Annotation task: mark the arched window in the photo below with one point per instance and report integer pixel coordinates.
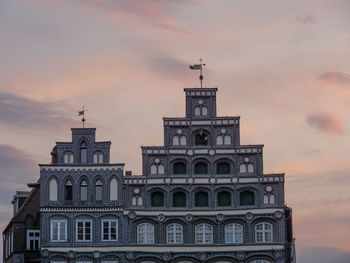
(179, 199)
(176, 140)
(157, 169)
(98, 190)
(201, 138)
(174, 234)
(98, 157)
(246, 198)
(140, 200)
(204, 234)
(197, 111)
(201, 168)
(113, 190)
(134, 200)
(250, 168)
(246, 168)
(157, 199)
(83, 152)
(201, 199)
(219, 140)
(53, 190)
(145, 233)
(224, 198)
(269, 199)
(227, 139)
(68, 158)
(183, 140)
(204, 111)
(68, 193)
(263, 232)
(233, 233)
(223, 168)
(83, 190)
(242, 168)
(179, 168)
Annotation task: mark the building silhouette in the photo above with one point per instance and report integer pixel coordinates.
(202, 197)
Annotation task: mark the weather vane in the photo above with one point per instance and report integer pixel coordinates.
(82, 113)
(199, 66)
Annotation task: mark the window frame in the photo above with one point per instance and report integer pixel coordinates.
(203, 234)
(59, 222)
(234, 232)
(84, 221)
(34, 238)
(175, 232)
(264, 233)
(110, 221)
(148, 237)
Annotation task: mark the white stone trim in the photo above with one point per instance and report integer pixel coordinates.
(82, 167)
(82, 209)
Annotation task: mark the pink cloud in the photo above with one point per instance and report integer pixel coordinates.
(326, 122)
(341, 78)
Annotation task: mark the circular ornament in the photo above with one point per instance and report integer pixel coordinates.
(240, 255)
(211, 152)
(166, 256)
(96, 254)
(278, 254)
(70, 254)
(157, 161)
(161, 217)
(249, 216)
(212, 180)
(223, 130)
(202, 256)
(130, 255)
(132, 215)
(189, 217)
(179, 131)
(45, 253)
(246, 159)
(278, 215)
(136, 190)
(167, 180)
(200, 101)
(190, 180)
(220, 217)
(234, 180)
(190, 152)
(268, 188)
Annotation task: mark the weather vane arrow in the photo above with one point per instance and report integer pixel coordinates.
(82, 113)
(199, 67)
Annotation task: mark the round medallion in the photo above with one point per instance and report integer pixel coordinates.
(278, 215)
(220, 217)
(45, 253)
(240, 255)
(234, 180)
(190, 180)
(202, 256)
(70, 254)
(212, 180)
(189, 217)
(190, 152)
(132, 215)
(211, 152)
(179, 131)
(278, 254)
(167, 180)
(200, 101)
(130, 255)
(161, 217)
(136, 191)
(96, 254)
(246, 159)
(157, 160)
(223, 130)
(268, 188)
(249, 216)
(166, 256)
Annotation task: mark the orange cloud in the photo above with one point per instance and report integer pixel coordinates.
(341, 78)
(326, 122)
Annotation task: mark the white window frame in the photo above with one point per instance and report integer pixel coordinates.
(261, 235)
(174, 233)
(157, 168)
(110, 221)
(205, 235)
(34, 238)
(237, 234)
(59, 222)
(84, 221)
(147, 235)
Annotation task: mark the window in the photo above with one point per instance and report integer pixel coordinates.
(83, 152)
(246, 198)
(113, 190)
(246, 168)
(263, 232)
(157, 199)
(83, 190)
(201, 138)
(68, 190)
(53, 190)
(224, 198)
(68, 158)
(179, 140)
(109, 230)
(179, 168)
(98, 190)
(219, 140)
(227, 139)
(242, 168)
(98, 157)
(140, 200)
(183, 140)
(176, 140)
(269, 199)
(250, 168)
(83, 230)
(200, 110)
(33, 239)
(145, 233)
(204, 234)
(201, 199)
(157, 169)
(197, 111)
(223, 168)
(179, 199)
(58, 230)
(233, 233)
(174, 234)
(204, 111)
(133, 200)
(223, 139)
(201, 168)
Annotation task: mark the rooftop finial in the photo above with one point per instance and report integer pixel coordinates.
(82, 112)
(199, 66)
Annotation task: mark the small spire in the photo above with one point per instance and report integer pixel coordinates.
(82, 113)
(200, 67)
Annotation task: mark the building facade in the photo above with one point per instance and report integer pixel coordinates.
(202, 197)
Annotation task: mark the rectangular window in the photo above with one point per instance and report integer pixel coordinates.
(83, 230)
(109, 230)
(33, 239)
(58, 230)
(83, 155)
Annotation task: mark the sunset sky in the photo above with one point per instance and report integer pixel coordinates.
(283, 66)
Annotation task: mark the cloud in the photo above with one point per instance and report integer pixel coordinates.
(23, 112)
(326, 122)
(341, 78)
(306, 19)
(323, 255)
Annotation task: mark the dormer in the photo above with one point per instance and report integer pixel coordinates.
(201, 103)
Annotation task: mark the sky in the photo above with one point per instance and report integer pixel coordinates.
(283, 66)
